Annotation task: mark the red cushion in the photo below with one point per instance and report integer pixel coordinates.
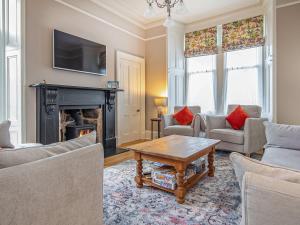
(184, 116)
(237, 118)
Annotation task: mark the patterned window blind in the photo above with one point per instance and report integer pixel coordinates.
(243, 34)
(199, 43)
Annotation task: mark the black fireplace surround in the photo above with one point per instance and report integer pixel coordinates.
(51, 98)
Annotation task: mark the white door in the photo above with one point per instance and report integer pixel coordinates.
(131, 102)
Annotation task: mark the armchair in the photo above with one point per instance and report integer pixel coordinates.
(248, 140)
(170, 125)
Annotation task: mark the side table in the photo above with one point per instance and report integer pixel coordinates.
(153, 120)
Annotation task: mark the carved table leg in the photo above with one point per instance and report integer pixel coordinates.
(139, 171)
(211, 167)
(181, 190)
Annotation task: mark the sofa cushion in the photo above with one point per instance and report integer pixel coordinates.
(80, 142)
(282, 157)
(244, 164)
(228, 135)
(282, 136)
(13, 157)
(253, 111)
(5, 135)
(184, 116)
(179, 130)
(193, 109)
(237, 118)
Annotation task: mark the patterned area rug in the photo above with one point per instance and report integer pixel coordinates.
(213, 201)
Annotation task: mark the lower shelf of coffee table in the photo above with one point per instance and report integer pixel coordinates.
(187, 184)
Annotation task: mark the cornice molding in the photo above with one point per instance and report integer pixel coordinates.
(154, 24)
(188, 27)
(107, 22)
(287, 4)
(114, 11)
(223, 18)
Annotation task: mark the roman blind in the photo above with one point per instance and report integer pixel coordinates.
(241, 34)
(199, 43)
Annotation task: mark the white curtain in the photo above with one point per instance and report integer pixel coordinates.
(201, 81)
(243, 77)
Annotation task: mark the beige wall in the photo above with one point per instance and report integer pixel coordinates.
(156, 79)
(288, 64)
(42, 16)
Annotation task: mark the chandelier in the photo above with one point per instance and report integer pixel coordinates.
(179, 6)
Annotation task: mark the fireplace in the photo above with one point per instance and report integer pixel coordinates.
(75, 131)
(66, 112)
(74, 123)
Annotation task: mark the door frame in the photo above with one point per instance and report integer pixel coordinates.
(141, 60)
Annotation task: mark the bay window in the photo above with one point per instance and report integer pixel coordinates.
(224, 65)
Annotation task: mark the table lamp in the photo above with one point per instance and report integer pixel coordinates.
(160, 103)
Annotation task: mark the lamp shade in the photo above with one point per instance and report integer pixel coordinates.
(161, 102)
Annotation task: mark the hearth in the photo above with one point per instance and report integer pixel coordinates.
(65, 112)
(74, 131)
(74, 123)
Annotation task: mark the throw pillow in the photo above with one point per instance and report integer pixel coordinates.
(184, 116)
(5, 135)
(282, 136)
(237, 118)
(13, 157)
(244, 164)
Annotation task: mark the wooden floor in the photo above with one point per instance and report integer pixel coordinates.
(113, 160)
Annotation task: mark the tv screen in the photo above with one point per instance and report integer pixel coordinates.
(78, 54)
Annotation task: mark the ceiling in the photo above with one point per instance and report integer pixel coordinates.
(133, 10)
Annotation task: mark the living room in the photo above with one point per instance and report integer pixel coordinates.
(149, 112)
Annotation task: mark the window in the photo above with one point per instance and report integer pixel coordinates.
(201, 78)
(10, 67)
(243, 77)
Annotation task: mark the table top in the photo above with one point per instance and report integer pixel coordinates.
(175, 146)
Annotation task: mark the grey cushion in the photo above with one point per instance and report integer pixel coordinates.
(282, 157)
(244, 164)
(228, 135)
(282, 136)
(13, 157)
(62, 147)
(5, 135)
(179, 130)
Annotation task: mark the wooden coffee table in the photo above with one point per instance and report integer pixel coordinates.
(177, 151)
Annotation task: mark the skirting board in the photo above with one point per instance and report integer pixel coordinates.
(148, 134)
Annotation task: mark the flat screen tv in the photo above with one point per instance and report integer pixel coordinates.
(77, 54)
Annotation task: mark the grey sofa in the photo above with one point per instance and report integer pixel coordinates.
(65, 189)
(247, 140)
(170, 125)
(271, 187)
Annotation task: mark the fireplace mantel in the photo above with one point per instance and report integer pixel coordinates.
(51, 98)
